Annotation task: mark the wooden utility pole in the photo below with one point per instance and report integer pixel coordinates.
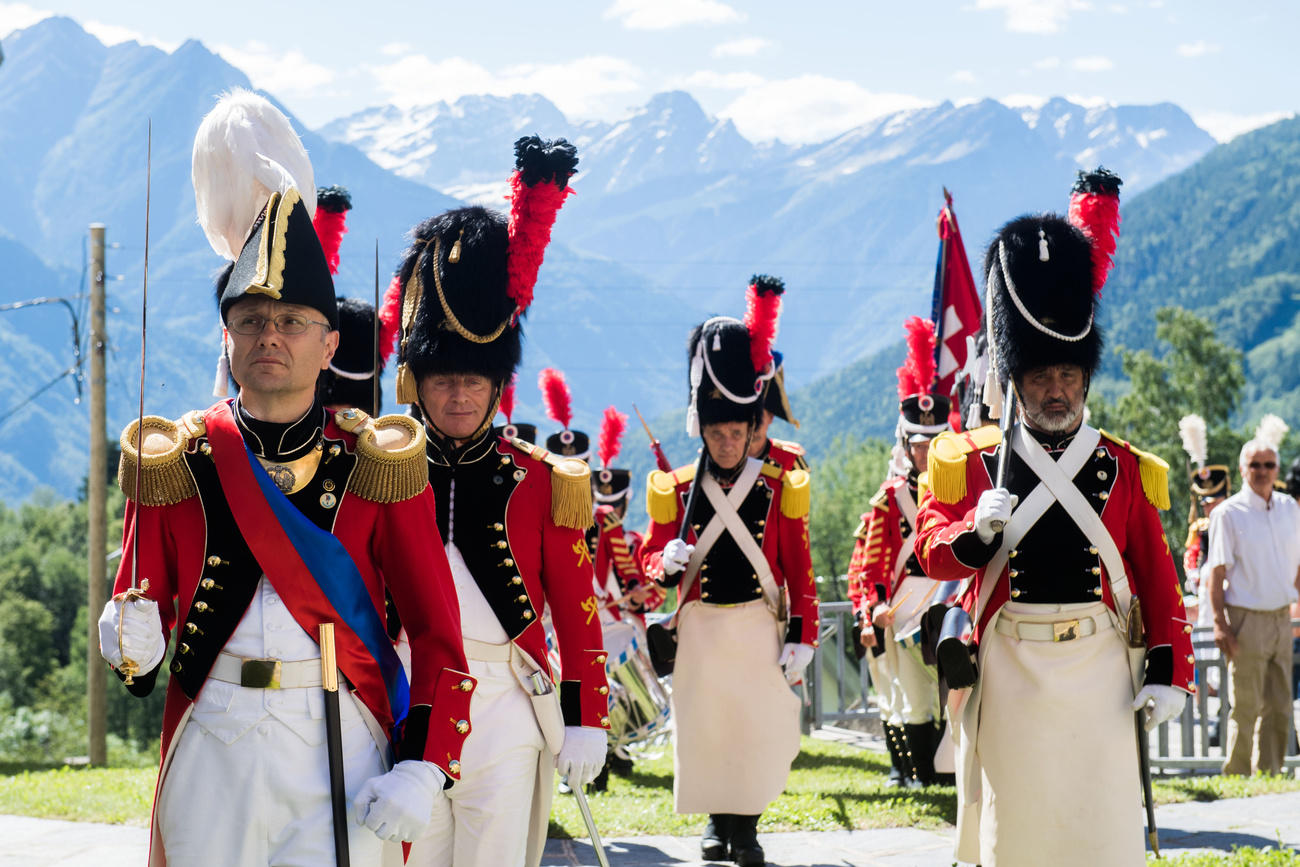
(96, 494)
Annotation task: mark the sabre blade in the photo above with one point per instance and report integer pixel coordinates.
(585, 809)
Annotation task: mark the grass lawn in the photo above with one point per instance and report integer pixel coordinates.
(1239, 857)
(832, 786)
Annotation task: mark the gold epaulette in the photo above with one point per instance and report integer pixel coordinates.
(1154, 472)
(796, 494)
(880, 499)
(164, 478)
(391, 464)
(922, 485)
(946, 464)
(661, 492)
(861, 532)
(570, 486)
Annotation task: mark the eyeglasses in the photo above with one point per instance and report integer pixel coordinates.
(1263, 465)
(251, 324)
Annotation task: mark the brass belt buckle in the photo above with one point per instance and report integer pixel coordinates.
(260, 673)
(1065, 630)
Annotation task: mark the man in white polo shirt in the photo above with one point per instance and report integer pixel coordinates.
(1254, 564)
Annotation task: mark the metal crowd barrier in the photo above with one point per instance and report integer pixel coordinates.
(838, 693)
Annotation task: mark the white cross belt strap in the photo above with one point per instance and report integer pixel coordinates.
(1031, 508)
(725, 511)
(906, 505)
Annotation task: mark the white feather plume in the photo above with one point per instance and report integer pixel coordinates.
(1191, 428)
(245, 150)
(1272, 430)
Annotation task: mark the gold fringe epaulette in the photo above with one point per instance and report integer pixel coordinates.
(922, 485)
(946, 464)
(571, 504)
(164, 477)
(796, 494)
(1154, 472)
(661, 493)
(389, 468)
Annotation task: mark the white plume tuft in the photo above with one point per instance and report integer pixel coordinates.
(1272, 430)
(1191, 428)
(245, 150)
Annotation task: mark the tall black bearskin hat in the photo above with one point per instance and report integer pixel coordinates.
(611, 485)
(725, 386)
(559, 407)
(1044, 277)
(350, 379)
(255, 197)
(468, 277)
(922, 413)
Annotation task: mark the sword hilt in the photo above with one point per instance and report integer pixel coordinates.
(129, 667)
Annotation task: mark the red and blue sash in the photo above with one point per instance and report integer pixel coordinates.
(309, 568)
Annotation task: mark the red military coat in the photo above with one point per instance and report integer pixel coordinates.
(1055, 562)
(859, 594)
(618, 551)
(517, 517)
(776, 512)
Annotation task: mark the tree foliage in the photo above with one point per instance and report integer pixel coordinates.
(843, 481)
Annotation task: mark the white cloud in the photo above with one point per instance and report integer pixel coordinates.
(583, 87)
(707, 78)
(1225, 126)
(19, 16)
(1200, 48)
(1023, 100)
(747, 47)
(272, 69)
(396, 49)
(810, 108)
(1095, 63)
(1034, 16)
(112, 34)
(665, 14)
(963, 76)
(1047, 63)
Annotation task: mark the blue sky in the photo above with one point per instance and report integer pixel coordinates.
(799, 71)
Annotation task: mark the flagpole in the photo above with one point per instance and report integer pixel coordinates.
(940, 283)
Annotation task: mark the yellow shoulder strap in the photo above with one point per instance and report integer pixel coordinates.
(946, 464)
(661, 493)
(796, 494)
(391, 465)
(1154, 471)
(164, 477)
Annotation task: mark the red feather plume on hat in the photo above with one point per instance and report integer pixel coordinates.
(1094, 210)
(612, 425)
(762, 313)
(508, 398)
(538, 188)
(390, 318)
(330, 222)
(916, 376)
(555, 396)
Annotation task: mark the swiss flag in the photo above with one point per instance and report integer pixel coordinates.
(957, 312)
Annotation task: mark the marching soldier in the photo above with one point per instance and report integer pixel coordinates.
(1062, 551)
(512, 516)
(731, 534)
(776, 402)
(251, 523)
(892, 591)
(1211, 484)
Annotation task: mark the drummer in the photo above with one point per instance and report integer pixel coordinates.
(893, 592)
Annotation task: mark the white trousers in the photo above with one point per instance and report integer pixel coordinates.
(485, 819)
(914, 685)
(263, 798)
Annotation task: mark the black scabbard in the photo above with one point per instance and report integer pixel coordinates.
(334, 745)
(1144, 768)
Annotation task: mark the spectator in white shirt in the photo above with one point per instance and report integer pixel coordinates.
(1254, 565)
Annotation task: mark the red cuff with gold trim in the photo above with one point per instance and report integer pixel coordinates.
(585, 701)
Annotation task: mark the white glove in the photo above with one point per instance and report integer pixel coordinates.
(582, 756)
(399, 804)
(142, 637)
(676, 555)
(794, 659)
(1163, 703)
(994, 508)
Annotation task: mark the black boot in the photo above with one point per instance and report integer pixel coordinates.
(601, 783)
(618, 765)
(713, 846)
(745, 850)
(921, 741)
(898, 773)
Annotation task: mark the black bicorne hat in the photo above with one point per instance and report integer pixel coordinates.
(282, 260)
(350, 379)
(775, 398)
(724, 384)
(1213, 480)
(1040, 283)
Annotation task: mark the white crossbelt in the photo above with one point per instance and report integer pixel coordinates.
(1059, 630)
(266, 673)
(725, 511)
(906, 505)
(485, 652)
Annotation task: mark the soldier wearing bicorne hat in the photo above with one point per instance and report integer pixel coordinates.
(512, 516)
(747, 619)
(1061, 552)
(252, 523)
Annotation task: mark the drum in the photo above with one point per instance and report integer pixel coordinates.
(638, 702)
